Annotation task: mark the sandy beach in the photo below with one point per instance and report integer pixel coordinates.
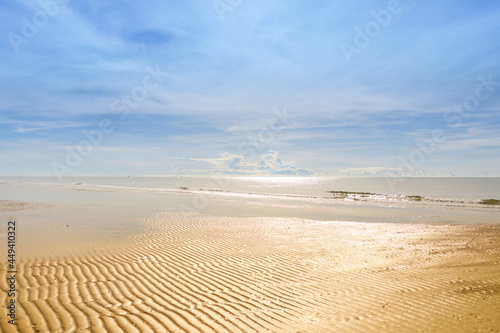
(249, 166)
(167, 271)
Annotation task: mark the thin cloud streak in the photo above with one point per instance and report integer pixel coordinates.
(226, 77)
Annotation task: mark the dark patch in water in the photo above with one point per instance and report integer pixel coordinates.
(495, 202)
(347, 193)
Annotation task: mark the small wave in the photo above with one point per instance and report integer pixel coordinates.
(328, 197)
(367, 196)
(378, 197)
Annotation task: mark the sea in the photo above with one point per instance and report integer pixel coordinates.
(412, 199)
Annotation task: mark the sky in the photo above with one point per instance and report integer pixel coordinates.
(240, 87)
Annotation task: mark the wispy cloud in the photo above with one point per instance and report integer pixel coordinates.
(470, 144)
(225, 78)
(44, 126)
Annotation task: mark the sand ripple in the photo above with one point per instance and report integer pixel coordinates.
(190, 273)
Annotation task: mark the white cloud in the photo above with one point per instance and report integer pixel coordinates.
(266, 164)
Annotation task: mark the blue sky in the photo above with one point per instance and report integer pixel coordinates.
(226, 74)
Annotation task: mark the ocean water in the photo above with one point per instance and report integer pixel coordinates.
(435, 190)
(456, 200)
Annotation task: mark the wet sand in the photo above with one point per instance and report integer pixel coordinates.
(185, 272)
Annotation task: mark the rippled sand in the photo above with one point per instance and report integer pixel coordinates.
(195, 273)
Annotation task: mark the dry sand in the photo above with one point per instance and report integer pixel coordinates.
(195, 273)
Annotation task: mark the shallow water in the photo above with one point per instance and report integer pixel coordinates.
(445, 188)
(413, 200)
